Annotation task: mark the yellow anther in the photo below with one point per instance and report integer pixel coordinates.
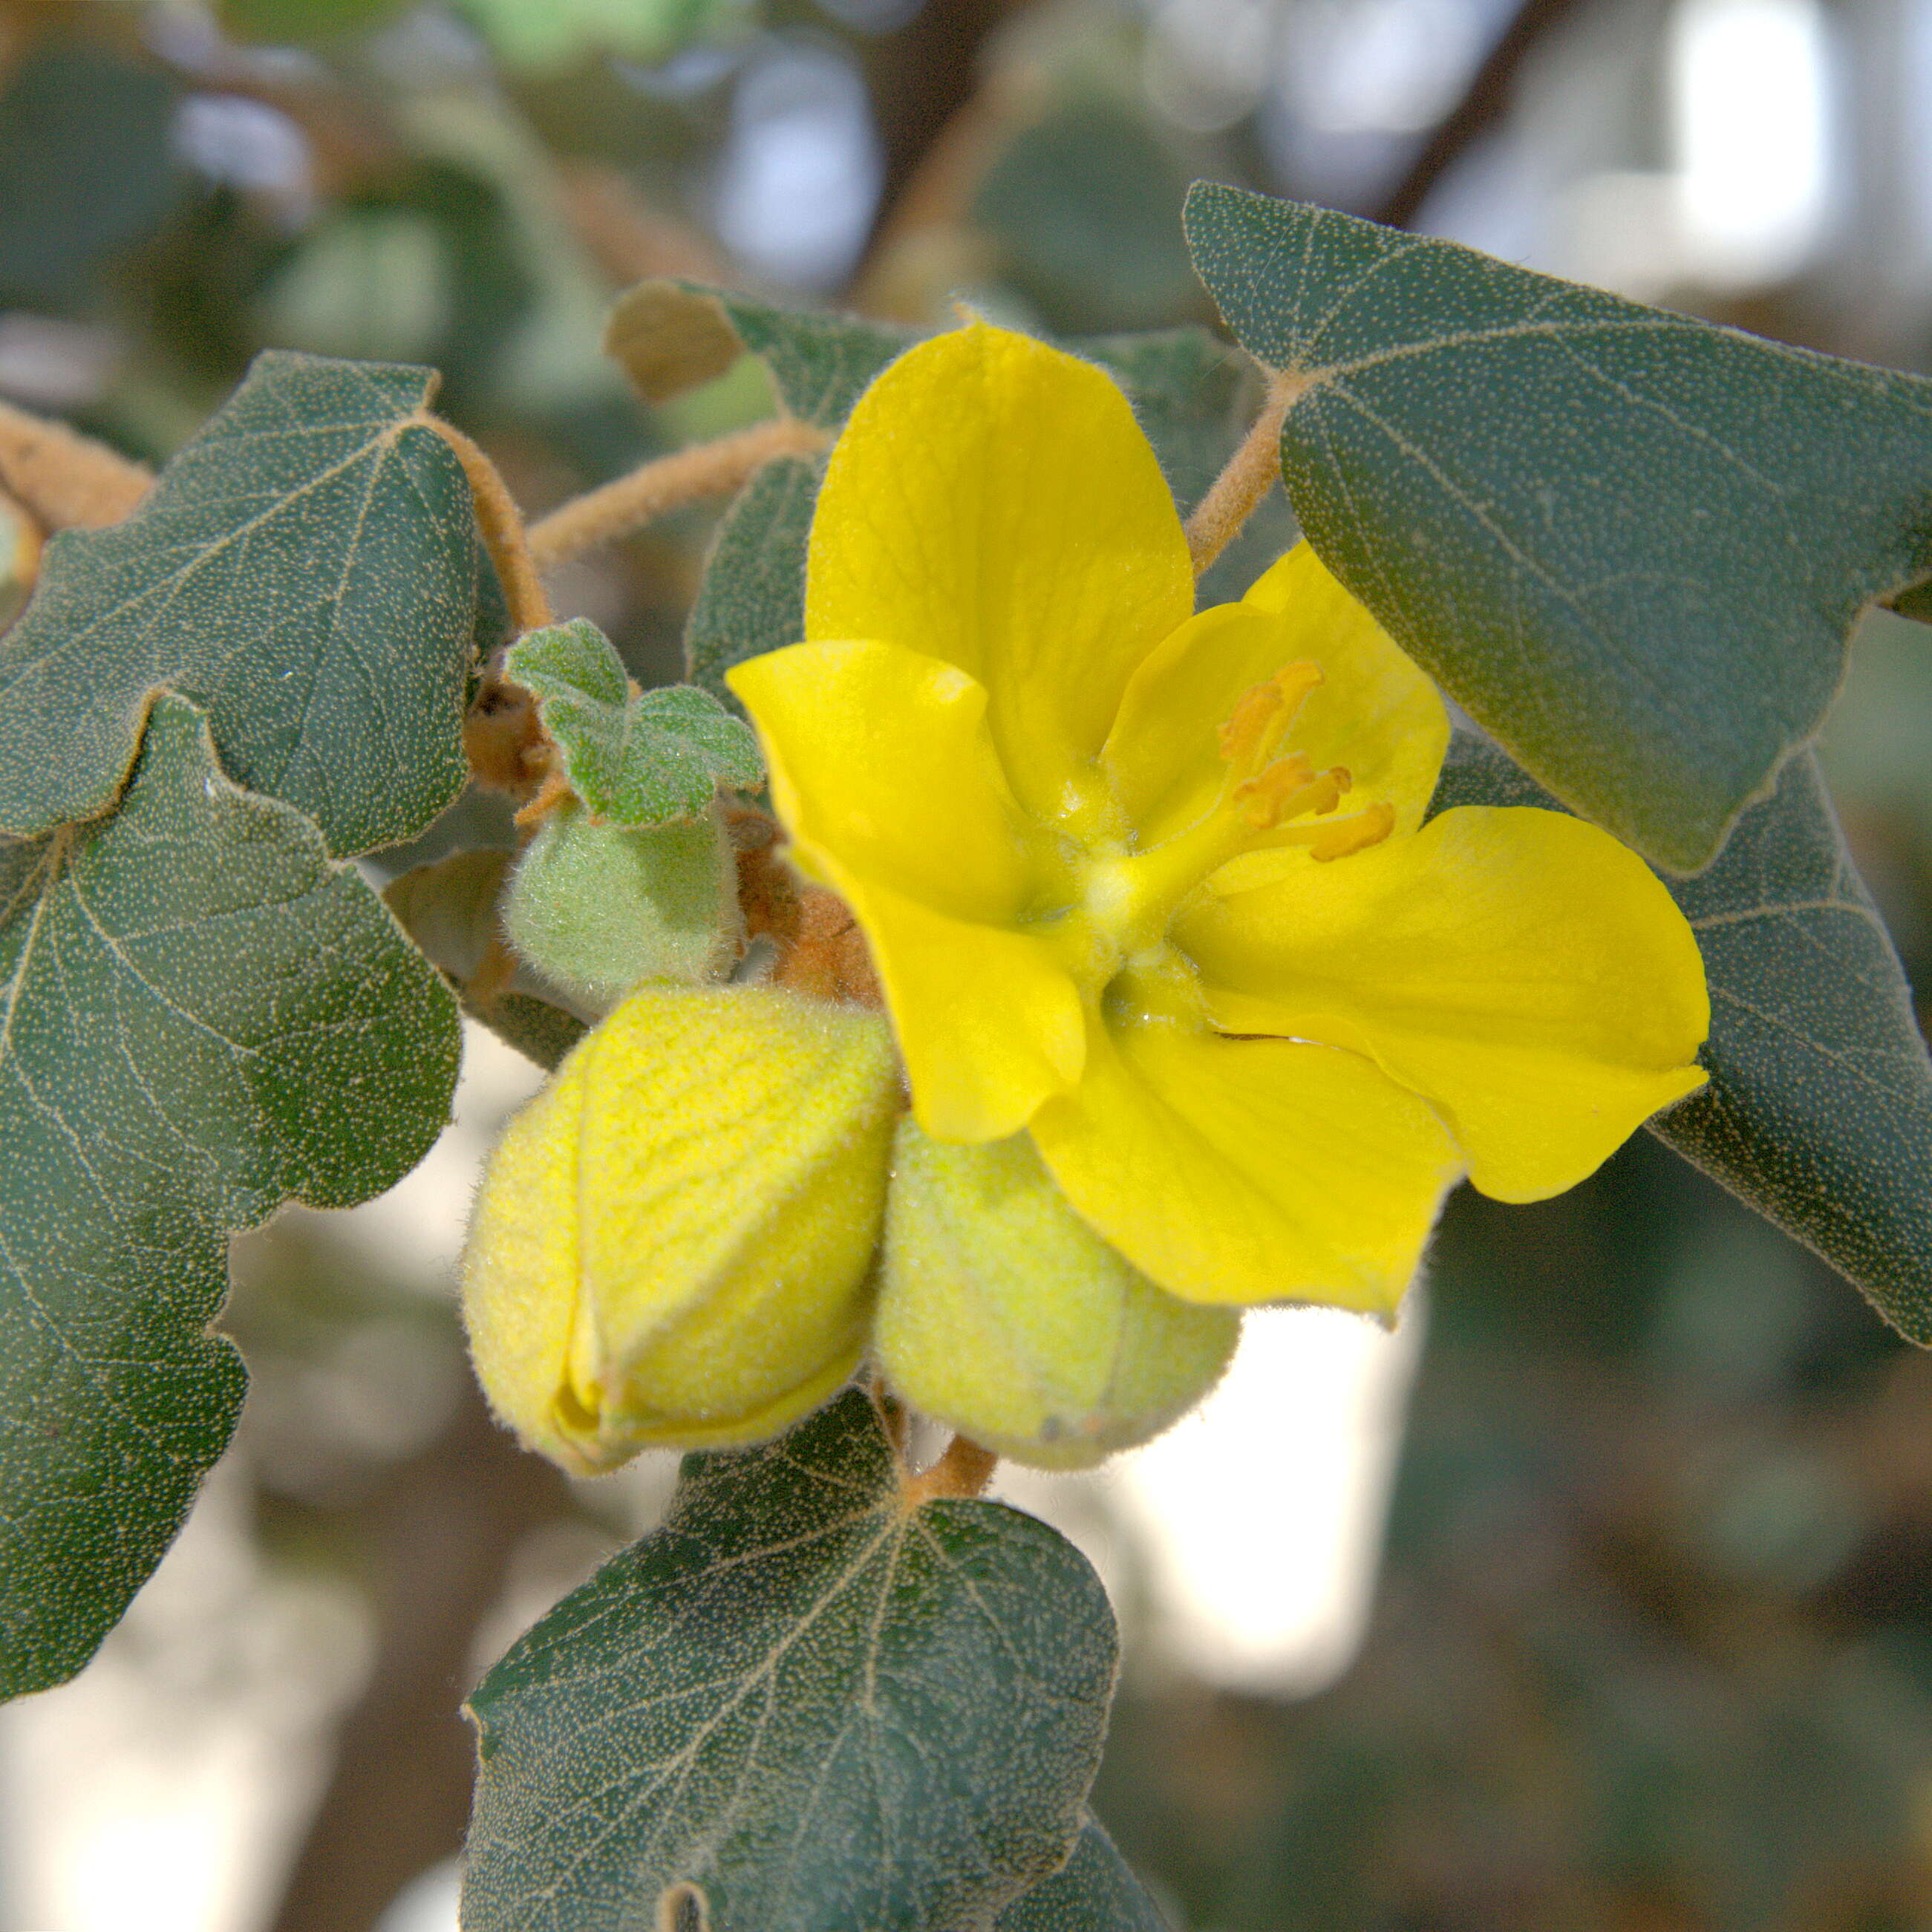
(1289, 789)
(1356, 834)
(1263, 713)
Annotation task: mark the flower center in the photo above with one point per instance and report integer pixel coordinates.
(1269, 797)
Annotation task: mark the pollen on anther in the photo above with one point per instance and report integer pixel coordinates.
(1356, 834)
(1264, 712)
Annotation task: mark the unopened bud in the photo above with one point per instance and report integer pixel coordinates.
(672, 1243)
(598, 909)
(1003, 1313)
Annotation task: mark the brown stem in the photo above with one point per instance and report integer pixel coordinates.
(1485, 101)
(65, 481)
(1234, 495)
(707, 469)
(963, 1470)
(502, 525)
(443, 1530)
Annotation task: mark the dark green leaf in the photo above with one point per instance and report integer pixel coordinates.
(1631, 544)
(753, 596)
(449, 908)
(635, 758)
(306, 571)
(818, 1707)
(1096, 1891)
(87, 167)
(1818, 1112)
(201, 1016)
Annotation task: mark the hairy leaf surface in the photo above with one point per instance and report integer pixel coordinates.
(1633, 545)
(306, 571)
(201, 1016)
(1819, 1111)
(818, 1707)
(1096, 1891)
(634, 758)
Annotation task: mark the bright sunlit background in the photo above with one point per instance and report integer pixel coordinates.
(1647, 1488)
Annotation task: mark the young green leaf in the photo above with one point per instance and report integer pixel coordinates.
(1631, 544)
(201, 1016)
(752, 599)
(815, 1705)
(306, 571)
(1096, 1891)
(635, 758)
(1819, 1111)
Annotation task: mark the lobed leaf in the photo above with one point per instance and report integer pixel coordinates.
(306, 571)
(201, 1016)
(812, 1703)
(1819, 1111)
(1631, 544)
(635, 758)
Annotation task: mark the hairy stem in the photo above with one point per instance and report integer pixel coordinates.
(1234, 495)
(707, 469)
(63, 480)
(963, 1470)
(504, 536)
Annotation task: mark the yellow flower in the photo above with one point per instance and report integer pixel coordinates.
(1154, 886)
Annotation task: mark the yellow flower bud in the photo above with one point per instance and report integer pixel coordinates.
(1003, 1313)
(673, 1242)
(599, 909)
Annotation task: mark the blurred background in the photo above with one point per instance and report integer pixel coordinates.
(1598, 1597)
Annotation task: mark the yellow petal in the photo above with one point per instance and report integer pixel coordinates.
(1520, 969)
(884, 775)
(1247, 1171)
(1374, 712)
(993, 502)
(883, 768)
(989, 1021)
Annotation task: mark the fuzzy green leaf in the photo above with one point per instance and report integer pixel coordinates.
(1633, 545)
(1819, 1111)
(635, 758)
(1096, 1891)
(816, 1707)
(306, 571)
(201, 1016)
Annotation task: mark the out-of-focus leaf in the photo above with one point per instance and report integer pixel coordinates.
(1819, 1111)
(306, 570)
(1630, 544)
(1096, 1891)
(809, 1703)
(449, 908)
(86, 167)
(551, 33)
(635, 758)
(670, 335)
(201, 1016)
(752, 599)
(1084, 208)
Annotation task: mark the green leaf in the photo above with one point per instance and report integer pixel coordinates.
(306, 571)
(1631, 544)
(449, 908)
(635, 758)
(88, 169)
(670, 334)
(752, 599)
(201, 1016)
(1819, 1111)
(818, 1707)
(1096, 1891)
